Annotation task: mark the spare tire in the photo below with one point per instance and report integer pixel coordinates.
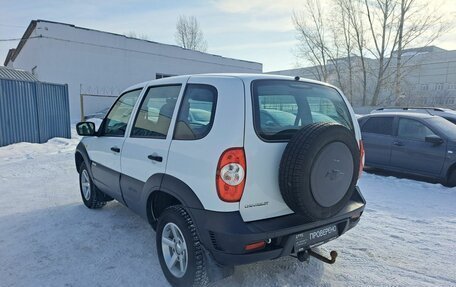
(319, 170)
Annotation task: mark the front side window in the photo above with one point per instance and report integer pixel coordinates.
(196, 113)
(379, 125)
(282, 107)
(117, 119)
(156, 111)
(414, 130)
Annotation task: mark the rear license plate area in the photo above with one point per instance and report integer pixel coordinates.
(314, 237)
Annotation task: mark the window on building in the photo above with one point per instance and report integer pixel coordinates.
(117, 119)
(196, 113)
(412, 129)
(154, 116)
(379, 125)
(439, 86)
(424, 87)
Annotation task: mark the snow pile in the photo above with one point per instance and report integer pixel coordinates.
(25, 150)
(406, 236)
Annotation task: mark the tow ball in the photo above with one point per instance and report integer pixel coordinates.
(305, 255)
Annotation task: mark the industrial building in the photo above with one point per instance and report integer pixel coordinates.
(98, 65)
(429, 78)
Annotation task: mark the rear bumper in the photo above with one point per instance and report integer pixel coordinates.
(225, 234)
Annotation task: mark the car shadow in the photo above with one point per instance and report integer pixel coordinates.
(382, 172)
(285, 271)
(70, 245)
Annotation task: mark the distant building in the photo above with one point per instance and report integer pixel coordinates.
(103, 64)
(429, 78)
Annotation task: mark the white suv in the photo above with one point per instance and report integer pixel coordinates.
(227, 168)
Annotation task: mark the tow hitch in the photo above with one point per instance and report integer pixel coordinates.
(305, 255)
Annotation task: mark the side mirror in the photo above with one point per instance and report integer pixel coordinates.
(85, 128)
(436, 140)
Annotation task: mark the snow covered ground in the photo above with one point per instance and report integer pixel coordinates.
(406, 237)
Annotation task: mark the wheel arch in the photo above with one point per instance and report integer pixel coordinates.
(164, 190)
(81, 155)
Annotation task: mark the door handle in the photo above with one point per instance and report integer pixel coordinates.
(396, 143)
(155, 157)
(115, 149)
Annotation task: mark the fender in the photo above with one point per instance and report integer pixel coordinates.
(81, 149)
(171, 185)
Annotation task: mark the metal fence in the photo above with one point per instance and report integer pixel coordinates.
(33, 111)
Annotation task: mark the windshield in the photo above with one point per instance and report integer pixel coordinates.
(281, 107)
(444, 126)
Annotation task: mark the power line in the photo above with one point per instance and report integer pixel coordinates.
(18, 39)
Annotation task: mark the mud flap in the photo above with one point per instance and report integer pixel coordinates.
(215, 271)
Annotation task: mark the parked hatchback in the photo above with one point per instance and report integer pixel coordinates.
(414, 143)
(445, 113)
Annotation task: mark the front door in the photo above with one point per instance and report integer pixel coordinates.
(412, 153)
(105, 149)
(145, 151)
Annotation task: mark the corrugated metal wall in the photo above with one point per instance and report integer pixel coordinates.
(33, 111)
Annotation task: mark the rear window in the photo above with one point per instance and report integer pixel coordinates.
(281, 107)
(378, 125)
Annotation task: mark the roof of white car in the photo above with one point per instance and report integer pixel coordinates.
(243, 76)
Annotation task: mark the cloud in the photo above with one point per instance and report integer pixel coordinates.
(257, 45)
(257, 6)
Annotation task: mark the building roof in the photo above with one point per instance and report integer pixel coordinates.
(13, 53)
(12, 74)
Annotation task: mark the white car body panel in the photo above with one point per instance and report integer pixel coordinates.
(195, 161)
(135, 161)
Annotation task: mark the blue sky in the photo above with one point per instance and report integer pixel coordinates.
(255, 30)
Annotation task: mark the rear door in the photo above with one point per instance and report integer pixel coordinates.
(378, 137)
(105, 149)
(145, 151)
(410, 152)
(210, 121)
(275, 110)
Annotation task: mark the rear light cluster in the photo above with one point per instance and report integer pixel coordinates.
(230, 176)
(361, 157)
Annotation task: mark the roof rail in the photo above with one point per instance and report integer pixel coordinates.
(437, 109)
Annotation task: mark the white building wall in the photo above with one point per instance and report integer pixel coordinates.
(102, 62)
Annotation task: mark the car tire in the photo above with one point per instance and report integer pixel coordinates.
(319, 170)
(177, 236)
(92, 197)
(451, 181)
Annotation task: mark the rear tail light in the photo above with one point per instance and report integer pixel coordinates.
(361, 157)
(230, 176)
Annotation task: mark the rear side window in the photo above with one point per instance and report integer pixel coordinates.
(379, 125)
(281, 107)
(156, 111)
(196, 113)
